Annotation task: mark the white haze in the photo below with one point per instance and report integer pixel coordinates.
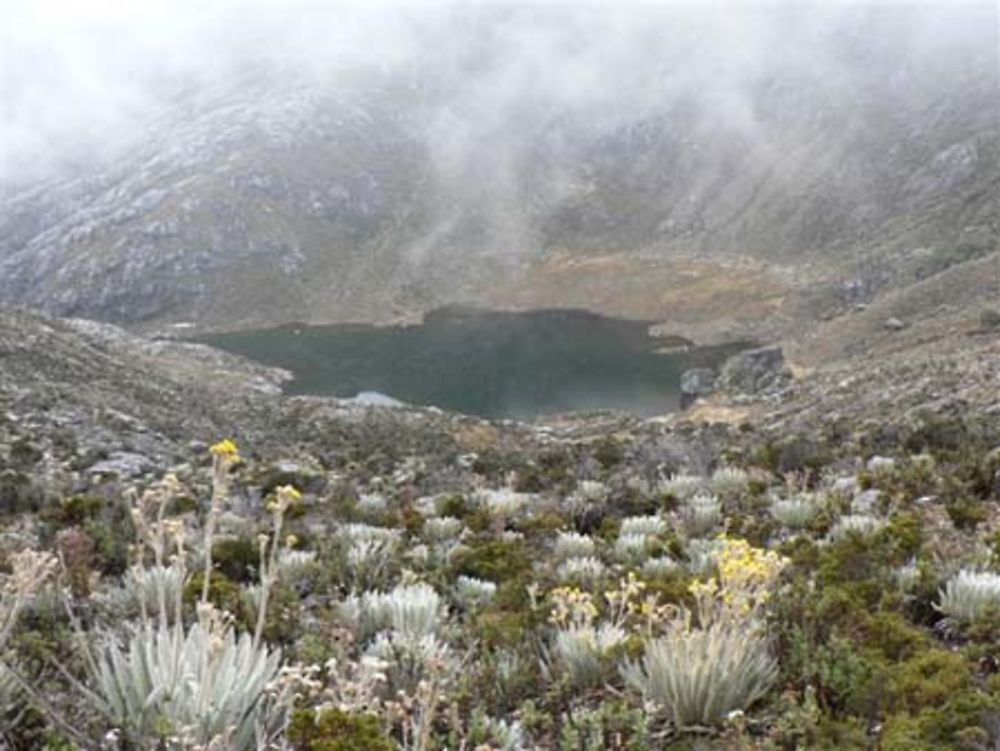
(82, 81)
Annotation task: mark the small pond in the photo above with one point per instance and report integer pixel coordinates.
(494, 364)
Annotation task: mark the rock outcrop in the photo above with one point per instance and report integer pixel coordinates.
(755, 371)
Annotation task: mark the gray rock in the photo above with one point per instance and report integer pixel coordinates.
(894, 324)
(374, 399)
(866, 501)
(881, 464)
(845, 486)
(755, 371)
(696, 382)
(123, 464)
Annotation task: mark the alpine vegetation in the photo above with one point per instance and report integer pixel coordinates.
(702, 513)
(969, 596)
(472, 593)
(796, 512)
(647, 526)
(581, 651)
(863, 525)
(570, 545)
(682, 487)
(582, 642)
(368, 559)
(589, 569)
(142, 585)
(212, 602)
(592, 491)
(503, 503)
(713, 659)
(31, 571)
(207, 684)
(700, 675)
(632, 547)
(654, 568)
(203, 684)
(413, 610)
(729, 482)
(371, 505)
(442, 528)
(906, 576)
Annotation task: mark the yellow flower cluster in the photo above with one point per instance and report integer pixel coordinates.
(628, 607)
(572, 607)
(627, 603)
(746, 577)
(285, 497)
(750, 569)
(226, 450)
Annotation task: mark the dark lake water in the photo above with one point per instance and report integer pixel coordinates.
(485, 363)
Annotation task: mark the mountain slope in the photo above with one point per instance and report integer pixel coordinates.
(372, 195)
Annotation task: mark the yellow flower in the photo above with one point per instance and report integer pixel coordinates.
(226, 449)
(289, 492)
(291, 541)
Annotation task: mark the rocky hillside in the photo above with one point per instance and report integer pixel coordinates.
(871, 487)
(81, 402)
(766, 196)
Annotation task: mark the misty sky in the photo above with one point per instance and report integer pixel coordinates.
(84, 78)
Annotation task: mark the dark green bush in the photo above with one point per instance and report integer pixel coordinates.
(507, 563)
(237, 558)
(224, 593)
(334, 730)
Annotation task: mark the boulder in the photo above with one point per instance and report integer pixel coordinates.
(845, 486)
(124, 464)
(866, 502)
(755, 371)
(375, 399)
(881, 464)
(695, 383)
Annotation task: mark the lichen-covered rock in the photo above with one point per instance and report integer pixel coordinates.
(695, 383)
(755, 371)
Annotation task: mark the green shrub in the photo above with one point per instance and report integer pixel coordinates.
(224, 593)
(78, 509)
(858, 565)
(111, 533)
(967, 513)
(334, 730)
(842, 675)
(498, 561)
(609, 452)
(236, 558)
(966, 721)
(495, 627)
(893, 636)
(928, 680)
(905, 535)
